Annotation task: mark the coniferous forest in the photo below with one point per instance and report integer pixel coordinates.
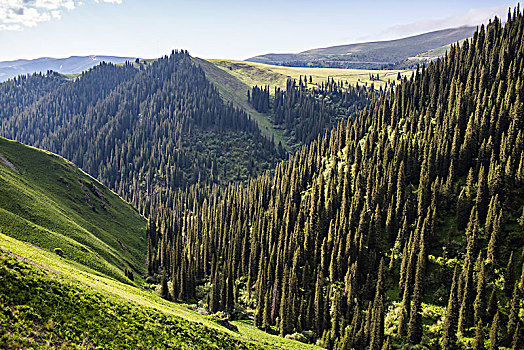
(397, 223)
(403, 225)
(140, 131)
(306, 113)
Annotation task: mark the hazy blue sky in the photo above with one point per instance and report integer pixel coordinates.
(220, 28)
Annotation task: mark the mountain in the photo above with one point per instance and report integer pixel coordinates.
(397, 223)
(49, 203)
(70, 65)
(400, 228)
(369, 55)
(140, 128)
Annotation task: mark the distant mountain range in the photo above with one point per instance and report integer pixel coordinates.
(70, 65)
(374, 55)
(369, 55)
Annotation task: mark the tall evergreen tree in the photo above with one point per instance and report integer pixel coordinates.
(449, 339)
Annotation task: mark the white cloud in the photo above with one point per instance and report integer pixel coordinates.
(10, 27)
(20, 14)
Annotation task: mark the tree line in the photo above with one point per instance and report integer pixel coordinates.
(305, 113)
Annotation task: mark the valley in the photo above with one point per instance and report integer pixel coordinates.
(187, 203)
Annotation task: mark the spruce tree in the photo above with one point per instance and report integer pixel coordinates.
(164, 290)
(482, 200)
(377, 329)
(449, 339)
(319, 302)
(493, 244)
(493, 304)
(479, 336)
(480, 300)
(513, 319)
(509, 279)
(494, 333)
(415, 322)
(517, 342)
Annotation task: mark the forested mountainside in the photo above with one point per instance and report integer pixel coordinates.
(402, 226)
(139, 131)
(305, 113)
(25, 90)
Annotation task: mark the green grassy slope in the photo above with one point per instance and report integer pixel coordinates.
(50, 203)
(42, 310)
(439, 51)
(109, 303)
(253, 73)
(234, 90)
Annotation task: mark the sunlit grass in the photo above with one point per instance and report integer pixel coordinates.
(145, 298)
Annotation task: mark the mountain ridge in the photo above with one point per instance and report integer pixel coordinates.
(67, 65)
(372, 54)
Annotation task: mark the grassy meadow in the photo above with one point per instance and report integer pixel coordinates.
(137, 299)
(252, 74)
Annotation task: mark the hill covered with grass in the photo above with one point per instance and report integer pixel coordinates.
(48, 202)
(43, 309)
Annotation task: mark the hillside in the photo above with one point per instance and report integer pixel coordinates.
(65, 243)
(141, 129)
(70, 65)
(402, 227)
(51, 302)
(368, 55)
(236, 79)
(194, 117)
(48, 202)
(234, 90)
(253, 73)
(54, 318)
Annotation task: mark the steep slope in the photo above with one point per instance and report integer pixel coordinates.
(305, 110)
(234, 90)
(374, 55)
(70, 65)
(404, 226)
(48, 202)
(65, 243)
(67, 315)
